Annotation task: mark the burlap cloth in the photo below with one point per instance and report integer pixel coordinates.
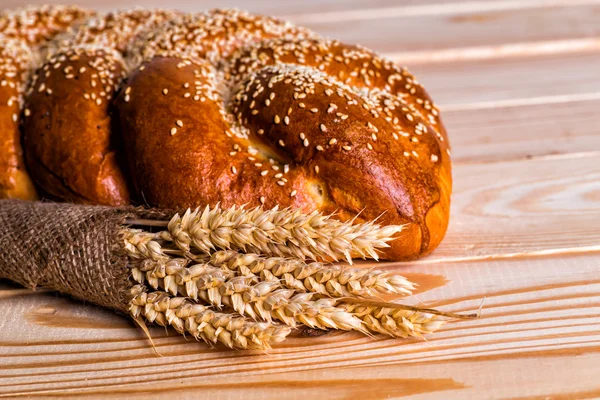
(73, 249)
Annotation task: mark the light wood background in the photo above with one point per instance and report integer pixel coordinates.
(519, 85)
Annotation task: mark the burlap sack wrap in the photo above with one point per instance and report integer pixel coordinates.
(73, 249)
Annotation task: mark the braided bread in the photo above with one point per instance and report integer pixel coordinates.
(181, 110)
(24, 34)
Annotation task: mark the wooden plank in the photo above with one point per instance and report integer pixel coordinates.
(389, 34)
(523, 208)
(465, 85)
(507, 133)
(538, 314)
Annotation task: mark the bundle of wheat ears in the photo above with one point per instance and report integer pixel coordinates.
(242, 278)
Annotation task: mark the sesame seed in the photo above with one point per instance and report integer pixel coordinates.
(278, 175)
(98, 101)
(15, 117)
(165, 91)
(276, 119)
(317, 169)
(414, 153)
(257, 164)
(252, 104)
(286, 120)
(314, 110)
(333, 141)
(267, 102)
(406, 154)
(410, 117)
(179, 123)
(374, 137)
(301, 105)
(262, 199)
(320, 148)
(255, 112)
(434, 158)
(347, 148)
(271, 96)
(232, 153)
(186, 85)
(305, 143)
(173, 131)
(234, 170)
(126, 98)
(264, 172)
(323, 128)
(260, 131)
(302, 136)
(27, 112)
(293, 193)
(280, 183)
(369, 146)
(281, 143)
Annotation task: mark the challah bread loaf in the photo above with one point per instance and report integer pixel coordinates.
(23, 34)
(226, 107)
(72, 149)
(291, 120)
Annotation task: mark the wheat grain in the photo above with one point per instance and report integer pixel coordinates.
(139, 244)
(328, 280)
(203, 323)
(281, 233)
(396, 322)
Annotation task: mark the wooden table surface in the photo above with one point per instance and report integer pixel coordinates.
(518, 82)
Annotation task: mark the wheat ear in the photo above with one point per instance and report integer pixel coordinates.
(280, 233)
(203, 323)
(396, 322)
(266, 301)
(327, 280)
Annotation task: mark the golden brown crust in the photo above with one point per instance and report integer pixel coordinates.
(23, 33)
(293, 121)
(73, 151)
(68, 131)
(15, 58)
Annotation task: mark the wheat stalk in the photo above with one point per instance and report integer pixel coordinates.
(280, 233)
(203, 323)
(328, 280)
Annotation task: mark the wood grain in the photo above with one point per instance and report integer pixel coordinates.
(519, 87)
(522, 208)
(523, 320)
(472, 85)
(520, 132)
(407, 33)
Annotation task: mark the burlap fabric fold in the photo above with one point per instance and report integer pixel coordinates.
(73, 249)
